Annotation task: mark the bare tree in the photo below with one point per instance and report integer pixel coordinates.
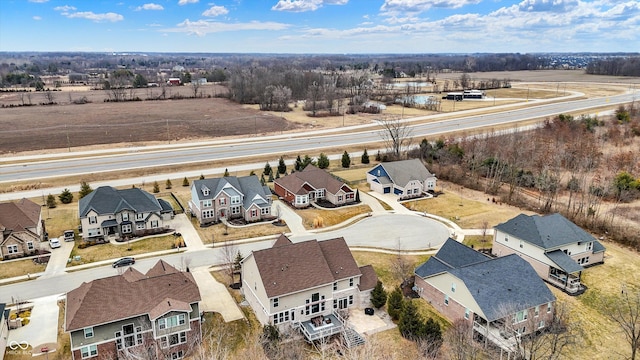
(624, 310)
(396, 135)
(459, 343)
(401, 267)
(228, 255)
(195, 87)
(50, 97)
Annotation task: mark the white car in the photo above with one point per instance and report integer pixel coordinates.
(54, 243)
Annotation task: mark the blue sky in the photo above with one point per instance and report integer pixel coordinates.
(320, 26)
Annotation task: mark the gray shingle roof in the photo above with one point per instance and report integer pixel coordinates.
(547, 232)
(109, 200)
(564, 261)
(249, 186)
(500, 286)
(401, 172)
(598, 247)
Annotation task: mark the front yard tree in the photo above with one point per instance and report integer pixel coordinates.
(282, 167)
(298, 165)
(395, 303)
(365, 157)
(378, 296)
(323, 161)
(185, 181)
(307, 161)
(51, 201)
(85, 189)
(267, 169)
(156, 187)
(346, 160)
(168, 184)
(66, 197)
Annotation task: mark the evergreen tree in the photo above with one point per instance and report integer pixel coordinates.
(226, 172)
(323, 161)
(156, 187)
(267, 169)
(252, 173)
(394, 303)
(262, 179)
(432, 332)
(298, 165)
(271, 177)
(168, 184)
(185, 181)
(66, 197)
(282, 167)
(236, 261)
(357, 195)
(201, 176)
(85, 189)
(307, 161)
(411, 325)
(365, 157)
(378, 296)
(346, 160)
(51, 201)
(378, 156)
(277, 175)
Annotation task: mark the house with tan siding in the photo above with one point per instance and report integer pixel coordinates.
(21, 228)
(558, 249)
(311, 184)
(135, 315)
(501, 298)
(406, 179)
(305, 285)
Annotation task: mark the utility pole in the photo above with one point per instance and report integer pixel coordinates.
(168, 139)
(66, 128)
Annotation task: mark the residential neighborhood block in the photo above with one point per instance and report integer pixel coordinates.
(22, 228)
(311, 184)
(405, 179)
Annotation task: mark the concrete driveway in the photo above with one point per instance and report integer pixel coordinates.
(58, 260)
(406, 232)
(183, 225)
(42, 330)
(215, 296)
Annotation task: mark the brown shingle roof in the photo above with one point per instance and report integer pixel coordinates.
(282, 240)
(20, 215)
(131, 294)
(294, 267)
(369, 278)
(318, 178)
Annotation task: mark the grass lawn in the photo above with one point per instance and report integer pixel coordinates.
(384, 264)
(477, 241)
(354, 175)
(330, 217)
(112, 251)
(19, 268)
(62, 217)
(466, 212)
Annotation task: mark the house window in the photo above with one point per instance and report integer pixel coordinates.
(350, 282)
(154, 224)
(205, 191)
(264, 211)
(88, 332)
(177, 355)
(89, 351)
(139, 216)
(589, 246)
(335, 286)
(340, 197)
(125, 216)
(235, 210)
(276, 302)
(235, 200)
(93, 220)
(453, 287)
(541, 324)
(222, 201)
(140, 226)
(506, 238)
(280, 317)
(446, 300)
(126, 228)
(93, 232)
(537, 311)
(320, 193)
(173, 339)
(254, 213)
(466, 313)
(313, 306)
(30, 245)
(548, 308)
(207, 214)
(520, 316)
(521, 244)
(182, 319)
(350, 299)
(206, 203)
(12, 249)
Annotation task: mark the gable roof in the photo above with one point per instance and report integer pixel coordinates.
(369, 278)
(109, 200)
(547, 232)
(161, 289)
(20, 215)
(564, 261)
(500, 286)
(316, 177)
(291, 267)
(402, 172)
(247, 186)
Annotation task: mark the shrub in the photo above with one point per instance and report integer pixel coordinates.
(66, 197)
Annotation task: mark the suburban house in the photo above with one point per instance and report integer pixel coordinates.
(501, 297)
(4, 329)
(406, 179)
(555, 247)
(230, 197)
(109, 213)
(304, 285)
(312, 184)
(155, 314)
(22, 228)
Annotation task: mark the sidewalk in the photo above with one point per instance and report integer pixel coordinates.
(392, 201)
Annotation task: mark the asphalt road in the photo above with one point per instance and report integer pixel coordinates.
(300, 143)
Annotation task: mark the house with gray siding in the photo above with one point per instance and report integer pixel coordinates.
(556, 248)
(136, 315)
(501, 298)
(406, 179)
(230, 197)
(112, 214)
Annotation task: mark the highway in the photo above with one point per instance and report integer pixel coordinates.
(301, 142)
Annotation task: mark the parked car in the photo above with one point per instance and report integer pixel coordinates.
(54, 243)
(124, 262)
(69, 235)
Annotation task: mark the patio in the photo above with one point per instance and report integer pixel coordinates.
(322, 326)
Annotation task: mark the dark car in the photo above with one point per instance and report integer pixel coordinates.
(124, 262)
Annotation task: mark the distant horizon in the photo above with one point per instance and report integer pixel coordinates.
(142, 53)
(326, 27)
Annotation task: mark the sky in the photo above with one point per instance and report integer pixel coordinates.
(321, 26)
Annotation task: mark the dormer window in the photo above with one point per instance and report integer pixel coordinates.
(589, 246)
(205, 191)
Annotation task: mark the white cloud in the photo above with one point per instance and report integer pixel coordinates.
(203, 27)
(395, 7)
(185, 2)
(64, 9)
(89, 15)
(304, 5)
(215, 10)
(38, 1)
(150, 6)
(37, 18)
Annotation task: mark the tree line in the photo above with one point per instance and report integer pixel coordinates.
(619, 66)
